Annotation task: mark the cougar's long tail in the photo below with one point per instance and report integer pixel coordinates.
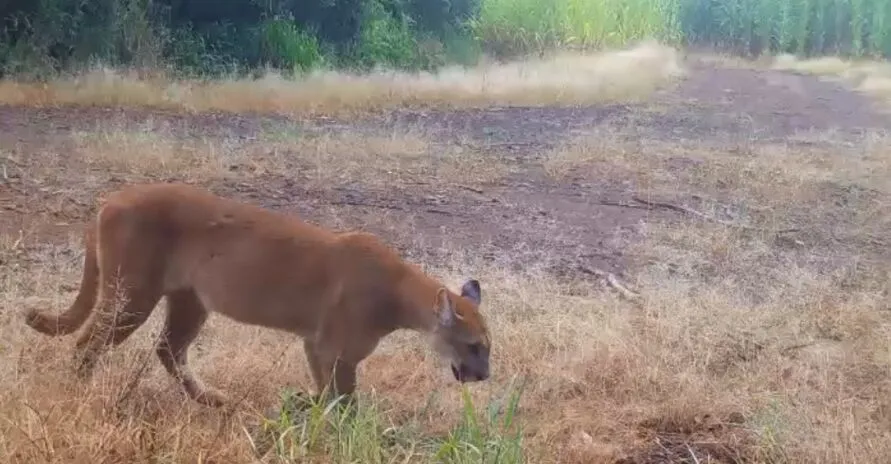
(74, 317)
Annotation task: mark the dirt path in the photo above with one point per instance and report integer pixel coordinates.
(525, 219)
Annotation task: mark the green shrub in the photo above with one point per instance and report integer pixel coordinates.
(385, 40)
(284, 46)
(519, 27)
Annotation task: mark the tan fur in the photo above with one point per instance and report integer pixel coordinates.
(340, 292)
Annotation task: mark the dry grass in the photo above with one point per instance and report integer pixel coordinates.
(323, 159)
(563, 79)
(727, 60)
(375, 160)
(702, 358)
(789, 330)
(789, 343)
(148, 152)
(869, 77)
(763, 174)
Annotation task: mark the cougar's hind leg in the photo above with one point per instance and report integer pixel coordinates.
(113, 321)
(130, 279)
(185, 317)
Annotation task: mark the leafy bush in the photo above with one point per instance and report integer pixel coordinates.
(518, 27)
(385, 40)
(208, 37)
(284, 46)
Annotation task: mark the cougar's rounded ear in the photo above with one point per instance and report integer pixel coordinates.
(445, 312)
(471, 290)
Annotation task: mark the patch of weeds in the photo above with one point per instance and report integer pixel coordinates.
(770, 427)
(496, 439)
(287, 47)
(307, 428)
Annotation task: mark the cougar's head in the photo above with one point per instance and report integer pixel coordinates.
(461, 335)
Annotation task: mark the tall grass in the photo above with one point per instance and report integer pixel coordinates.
(509, 27)
(565, 79)
(803, 27)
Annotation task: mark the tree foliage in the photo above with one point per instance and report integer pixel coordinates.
(220, 35)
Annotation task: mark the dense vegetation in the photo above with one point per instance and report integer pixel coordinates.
(209, 36)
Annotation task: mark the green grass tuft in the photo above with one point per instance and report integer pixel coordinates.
(307, 428)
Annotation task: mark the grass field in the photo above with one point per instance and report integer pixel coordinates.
(564, 79)
(681, 261)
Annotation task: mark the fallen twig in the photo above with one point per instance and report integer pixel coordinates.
(620, 205)
(613, 282)
(693, 212)
(692, 454)
(362, 203)
(467, 187)
(799, 346)
(18, 241)
(439, 211)
(391, 207)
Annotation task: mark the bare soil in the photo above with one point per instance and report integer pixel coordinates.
(581, 223)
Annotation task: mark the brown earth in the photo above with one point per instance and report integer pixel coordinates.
(579, 223)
